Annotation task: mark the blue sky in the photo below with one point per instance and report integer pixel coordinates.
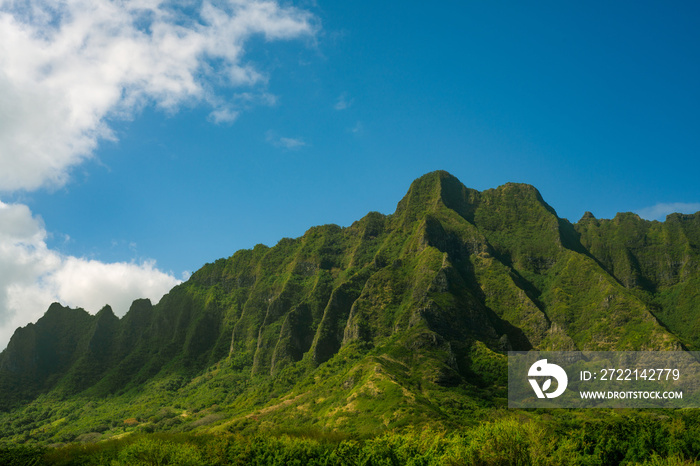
(140, 141)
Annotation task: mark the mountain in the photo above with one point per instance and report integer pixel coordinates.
(397, 319)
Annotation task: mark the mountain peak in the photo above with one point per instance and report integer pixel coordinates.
(587, 216)
(442, 188)
(105, 312)
(521, 193)
(428, 188)
(432, 189)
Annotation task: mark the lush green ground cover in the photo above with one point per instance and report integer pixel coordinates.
(612, 438)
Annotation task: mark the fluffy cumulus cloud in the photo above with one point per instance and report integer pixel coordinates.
(68, 67)
(32, 276)
(661, 210)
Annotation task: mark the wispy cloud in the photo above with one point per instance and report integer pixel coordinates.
(70, 67)
(358, 128)
(291, 143)
(661, 210)
(284, 142)
(343, 102)
(223, 115)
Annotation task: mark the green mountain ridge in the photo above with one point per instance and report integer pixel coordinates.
(400, 319)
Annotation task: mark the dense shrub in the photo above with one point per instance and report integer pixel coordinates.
(21, 455)
(625, 440)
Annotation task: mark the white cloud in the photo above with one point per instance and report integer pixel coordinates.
(228, 112)
(661, 210)
(223, 115)
(358, 128)
(32, 276)
(67, 68)
(342, 103)
(291, 143)
(283, 142)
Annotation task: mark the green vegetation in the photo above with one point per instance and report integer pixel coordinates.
(366, 335)
(617, 439)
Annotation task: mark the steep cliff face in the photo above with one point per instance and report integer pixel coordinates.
(437, 291)
(658, 260)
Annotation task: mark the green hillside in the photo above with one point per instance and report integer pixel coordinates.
(395, 321)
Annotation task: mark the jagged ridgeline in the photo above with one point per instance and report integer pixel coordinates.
(417, 307)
